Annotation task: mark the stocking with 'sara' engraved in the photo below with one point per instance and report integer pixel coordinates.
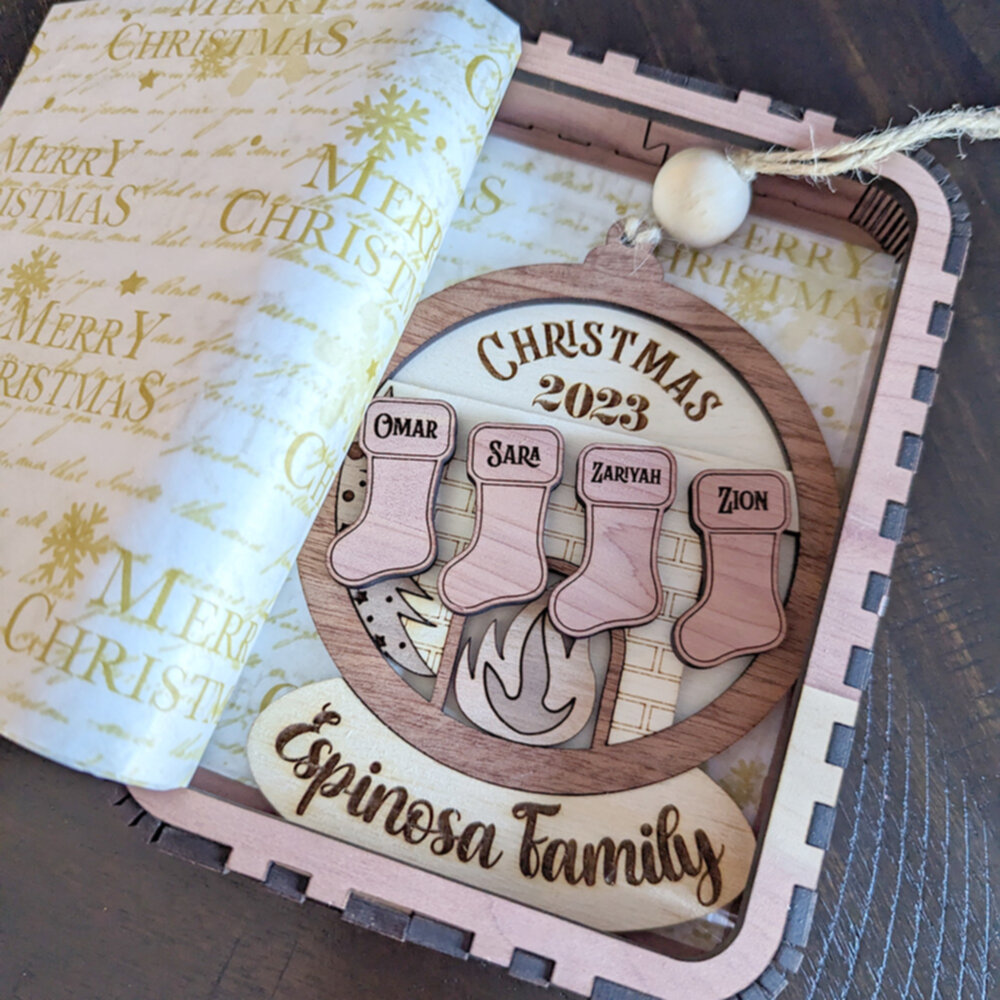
(625, 490)
(407, 442)
(741, 516)
(514, 468)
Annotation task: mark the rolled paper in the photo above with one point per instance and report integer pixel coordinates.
(216, 220)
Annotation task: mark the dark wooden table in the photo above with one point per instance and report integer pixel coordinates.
(89, 911)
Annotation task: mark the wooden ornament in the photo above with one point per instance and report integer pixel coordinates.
(625, 491)
(514, 468)
(741, 516)
(407, 442)
(473, 316)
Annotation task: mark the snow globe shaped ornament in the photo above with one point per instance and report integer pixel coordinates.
(576, 552)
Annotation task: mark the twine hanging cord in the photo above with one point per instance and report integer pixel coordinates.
(868, 151)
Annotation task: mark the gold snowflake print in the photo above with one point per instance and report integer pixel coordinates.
(30, 277)
(748, 303)
(71, 541)
(211, 61)
(388, 122)
(744, 782)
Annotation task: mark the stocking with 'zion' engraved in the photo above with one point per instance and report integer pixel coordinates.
(515, 468)
(625, 490)
(741, 516)
(407, 442)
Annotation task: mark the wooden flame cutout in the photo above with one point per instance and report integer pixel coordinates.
(530, 686)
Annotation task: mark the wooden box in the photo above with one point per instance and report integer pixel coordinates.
(625, 117)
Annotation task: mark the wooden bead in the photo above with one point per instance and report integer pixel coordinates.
(700, 198)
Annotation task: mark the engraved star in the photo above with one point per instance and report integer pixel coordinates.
(379, 641)
(372, 369)
(146, 82)
(131, 284)
(360, 597)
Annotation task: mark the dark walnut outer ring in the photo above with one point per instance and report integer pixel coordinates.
(608, 279)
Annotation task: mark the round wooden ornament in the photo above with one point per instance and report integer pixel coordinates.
(602, 350)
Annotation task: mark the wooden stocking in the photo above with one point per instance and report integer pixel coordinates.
(741, 516)
(625, 491)
(407, 442)
(514, 468)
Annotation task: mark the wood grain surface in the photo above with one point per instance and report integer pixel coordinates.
(504, 562)
(89, 910)
(618, 570)
(739, 609)
(407, 443)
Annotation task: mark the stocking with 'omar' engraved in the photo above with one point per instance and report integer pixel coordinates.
(407, 442)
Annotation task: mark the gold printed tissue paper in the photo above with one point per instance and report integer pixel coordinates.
(214, 221)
